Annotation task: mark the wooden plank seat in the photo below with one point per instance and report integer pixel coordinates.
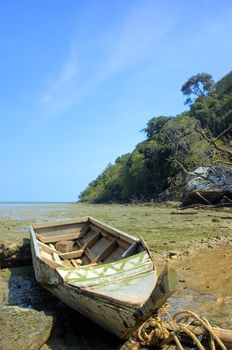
(52, 252)
(54, 239)
(106, 252)
(72, 255)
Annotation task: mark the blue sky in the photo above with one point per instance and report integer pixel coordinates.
(80, 79)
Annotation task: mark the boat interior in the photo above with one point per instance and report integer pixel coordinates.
(88, 242)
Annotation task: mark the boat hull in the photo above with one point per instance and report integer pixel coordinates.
(118, 295)
(118, 318)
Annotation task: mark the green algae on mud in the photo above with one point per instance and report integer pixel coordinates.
(160, 225)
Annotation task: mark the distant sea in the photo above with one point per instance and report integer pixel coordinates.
(2, 203)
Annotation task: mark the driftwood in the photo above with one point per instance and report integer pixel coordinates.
(202, 206)
(180, 213)
(213, 142)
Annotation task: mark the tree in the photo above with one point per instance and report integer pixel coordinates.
(198, 85)
(154, 125)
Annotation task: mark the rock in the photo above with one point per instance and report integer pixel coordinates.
(187, 252)
(173, 257)
(216, 220)
(23, 329)
(15, 251)
(208, 185)
(172, 253)
(71, 330)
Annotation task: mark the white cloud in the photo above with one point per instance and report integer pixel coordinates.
(133, 41)
(67, 75)
(140, 36)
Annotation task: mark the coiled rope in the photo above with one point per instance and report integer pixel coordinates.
(157, 331)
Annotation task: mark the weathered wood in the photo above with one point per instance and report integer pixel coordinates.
(53, 264)
(131, 250)
(84, 230)
(165, 287)
(115, 255)
(47, 248)
(113, 231)
(56, 232)
(124, 245)
(56, 258)
(67, 263)
(59, 223)
(57, 238)
(105, 253)
(92, 241)
(89, 254)
(74, 263)
(72, 255)
(120, 293)
(64, 246)
(52, 246)
(34, 246)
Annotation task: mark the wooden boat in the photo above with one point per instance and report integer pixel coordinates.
(105, 274)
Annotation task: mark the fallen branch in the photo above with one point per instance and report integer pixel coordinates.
(213, 142)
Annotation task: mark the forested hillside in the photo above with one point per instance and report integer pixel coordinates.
(173, 147)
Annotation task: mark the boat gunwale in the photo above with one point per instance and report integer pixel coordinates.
(87, 219)
(34, 241)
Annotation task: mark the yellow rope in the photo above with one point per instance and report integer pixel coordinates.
(206, 325)
(212, 343)
(154, 331)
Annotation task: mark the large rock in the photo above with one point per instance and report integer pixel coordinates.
(208, 185)
(23, 329)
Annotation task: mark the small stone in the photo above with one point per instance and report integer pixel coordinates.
(220, 300)
(173, 257)
(172, 253)
(216, 220)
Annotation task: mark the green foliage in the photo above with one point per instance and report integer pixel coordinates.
(215, 110)
(198, 85)
(154, 125)
(172, 148)
(225, 84)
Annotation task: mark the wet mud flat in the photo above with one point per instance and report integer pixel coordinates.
(205, 284)
(204, 266)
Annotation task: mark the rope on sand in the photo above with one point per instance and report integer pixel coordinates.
(157, 331)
